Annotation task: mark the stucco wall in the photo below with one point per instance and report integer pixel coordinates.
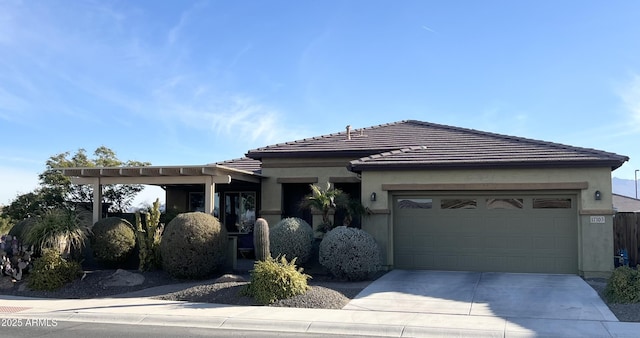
(595, 240)
(272, 190)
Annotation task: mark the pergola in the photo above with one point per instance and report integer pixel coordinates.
(209, 175)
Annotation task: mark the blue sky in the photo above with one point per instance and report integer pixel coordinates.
(194, 82)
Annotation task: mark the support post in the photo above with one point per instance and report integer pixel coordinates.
(209, 195)
(97, 199)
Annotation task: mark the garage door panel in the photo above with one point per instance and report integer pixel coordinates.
(523, 239)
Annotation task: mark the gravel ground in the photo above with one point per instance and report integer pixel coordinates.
(325, 292)
(87, 287)
(624, 312)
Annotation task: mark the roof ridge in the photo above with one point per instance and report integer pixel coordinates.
(234, 159)
(514, 138)
(325, 136)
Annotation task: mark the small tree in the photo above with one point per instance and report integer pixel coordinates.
(57, 192)
(120, 196)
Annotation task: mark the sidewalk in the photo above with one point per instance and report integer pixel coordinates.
(147, 311)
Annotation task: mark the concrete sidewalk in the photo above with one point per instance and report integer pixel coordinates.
(147, 311)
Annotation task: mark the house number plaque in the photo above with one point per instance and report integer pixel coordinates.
(597, 220)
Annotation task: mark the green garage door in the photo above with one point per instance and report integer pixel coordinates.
(506, 233)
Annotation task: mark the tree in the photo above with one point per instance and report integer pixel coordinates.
(57, 191)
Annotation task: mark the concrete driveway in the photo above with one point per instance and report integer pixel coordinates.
(506, 295)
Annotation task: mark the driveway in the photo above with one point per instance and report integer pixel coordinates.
(506, 295)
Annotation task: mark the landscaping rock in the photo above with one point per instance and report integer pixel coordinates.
(123, 278)
(230, 278)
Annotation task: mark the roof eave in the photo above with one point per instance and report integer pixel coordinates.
(258, 155)
(360, 167)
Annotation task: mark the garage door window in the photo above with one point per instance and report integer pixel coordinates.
(505, 203)
(552, 203)
(458, 204)
(415, 203)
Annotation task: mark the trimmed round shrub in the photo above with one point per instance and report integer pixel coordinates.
(193, 245)
(350, 253)
(113, 240)
(291, 237)
(275, 279)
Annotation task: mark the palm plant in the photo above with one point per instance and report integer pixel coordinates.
(353, 208)
(323, 200)
(59, 229)
(328, 199)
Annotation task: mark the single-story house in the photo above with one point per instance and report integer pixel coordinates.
(623, 203)
(437, 196)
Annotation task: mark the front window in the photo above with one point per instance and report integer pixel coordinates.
(240, 211)
(505, 203)
(461, 203)
(552, 203)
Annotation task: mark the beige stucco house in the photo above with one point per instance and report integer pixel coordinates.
(438, 197)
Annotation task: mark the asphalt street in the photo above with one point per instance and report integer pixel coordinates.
(62, 329)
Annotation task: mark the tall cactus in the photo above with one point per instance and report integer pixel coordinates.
(261, 239)
(148, 238)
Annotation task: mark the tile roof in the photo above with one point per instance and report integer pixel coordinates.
(416, 144)
(244, 163)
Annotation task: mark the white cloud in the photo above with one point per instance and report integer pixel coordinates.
(237, 116)
(175, 31)
(428, 29)
(631, 98)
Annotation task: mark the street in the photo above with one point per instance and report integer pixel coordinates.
(60, 329)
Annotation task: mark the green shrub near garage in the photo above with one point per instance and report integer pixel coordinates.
(350, 253)
(623, 286)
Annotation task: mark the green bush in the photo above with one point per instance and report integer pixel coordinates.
(350, 253)
(22, 227)
(51, 271)
(274, 279)
(113, 240)
(193, 245)
(5, 224)
(58, 229)
(623, 286)
(291, 237)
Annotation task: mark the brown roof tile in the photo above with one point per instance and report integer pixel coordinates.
(416, 144)
(244, 163)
